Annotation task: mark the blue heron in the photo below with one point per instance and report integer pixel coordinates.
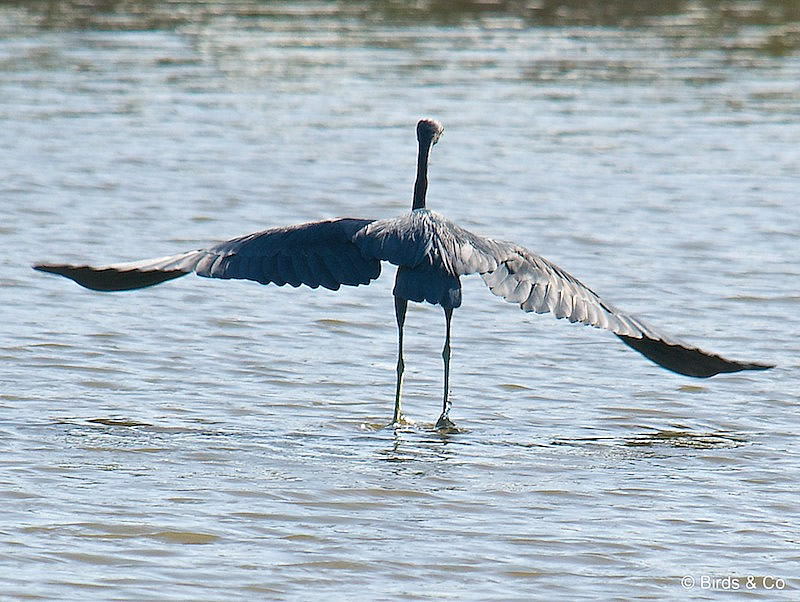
(431, 254)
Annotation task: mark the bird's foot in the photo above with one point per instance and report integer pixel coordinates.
(401, 421)
(445, 424)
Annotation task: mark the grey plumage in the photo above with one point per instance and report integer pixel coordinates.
(431, 253)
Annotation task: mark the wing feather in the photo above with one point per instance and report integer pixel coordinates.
(521, 291)
(286, 270)
(314, 254)
(551, 289)
(268, 265)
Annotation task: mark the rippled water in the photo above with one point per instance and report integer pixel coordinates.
(211, 440)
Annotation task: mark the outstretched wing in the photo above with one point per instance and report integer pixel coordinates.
(520, 276)
(315, 254)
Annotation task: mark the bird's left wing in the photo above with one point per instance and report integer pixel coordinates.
(523, 277)
(315, 254)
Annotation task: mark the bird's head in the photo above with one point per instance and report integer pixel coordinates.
(429, 130)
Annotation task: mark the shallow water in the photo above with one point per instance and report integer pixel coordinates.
(207, 439)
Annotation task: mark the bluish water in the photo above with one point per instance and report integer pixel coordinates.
(212, 440)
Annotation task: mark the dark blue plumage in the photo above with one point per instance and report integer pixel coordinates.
(431, 253)
(315, 254)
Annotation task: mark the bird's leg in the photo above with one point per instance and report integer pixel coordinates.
(400, 306)
(444, 421)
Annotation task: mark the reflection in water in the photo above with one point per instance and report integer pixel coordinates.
(686, 439)
(412, 444)
(663, 438)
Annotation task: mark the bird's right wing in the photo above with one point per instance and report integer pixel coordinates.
(538, 285)
(315, 254)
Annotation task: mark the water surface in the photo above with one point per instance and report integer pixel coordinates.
(212, 440)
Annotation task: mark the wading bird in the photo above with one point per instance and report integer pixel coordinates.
(431, 253)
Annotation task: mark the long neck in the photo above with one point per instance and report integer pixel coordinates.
(421, 185)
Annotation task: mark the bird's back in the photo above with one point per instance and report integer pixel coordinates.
(431, 253)
(424, 237)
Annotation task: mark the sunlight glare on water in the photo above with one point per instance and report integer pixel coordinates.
(211, 439)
